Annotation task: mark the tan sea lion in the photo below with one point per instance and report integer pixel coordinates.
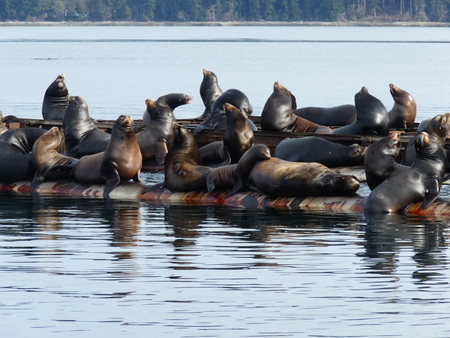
(121, 160)
(403, 113)
(47, 161)
(183, 169)
(279, 178)
(235, 176)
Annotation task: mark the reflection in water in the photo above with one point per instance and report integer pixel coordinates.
(385, 235)
(178, 271)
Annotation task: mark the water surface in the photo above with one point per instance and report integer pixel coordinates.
(90, 268)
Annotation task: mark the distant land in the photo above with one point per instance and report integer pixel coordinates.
(228, 23)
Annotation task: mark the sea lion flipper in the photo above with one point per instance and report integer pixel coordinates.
(161, 153)
(38, 178)
(210, 185)
(137, 177)
(432, 194)
(112, 181)
(238, 186)
(154, 187)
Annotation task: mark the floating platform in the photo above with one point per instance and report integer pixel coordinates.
(269, 138)
(244, 199)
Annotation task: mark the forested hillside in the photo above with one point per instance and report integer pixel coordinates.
(225, 10)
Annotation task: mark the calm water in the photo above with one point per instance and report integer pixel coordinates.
(89, 268)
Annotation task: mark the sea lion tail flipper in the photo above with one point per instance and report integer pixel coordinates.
(154, 187)
(432, 194)
(210, 185)
(37, 180)
(238, 186)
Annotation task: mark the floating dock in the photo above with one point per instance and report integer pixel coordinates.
(244, 199)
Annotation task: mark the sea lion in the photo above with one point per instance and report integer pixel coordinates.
(214, 154)
(209, 92)
(121, 160)
(216, 118)
(380, 160)
(372, 117)
(47, 161)
(277, 114)
(171, 101)
(82, 136)
(331, 116)
(15, 154)
(320, 150)
(438, 129)
(157, 137)
(56, 99)
(183, 169)
(235, 176)
(403, 113)
(238, 137)
(279, 178)
(420, 182)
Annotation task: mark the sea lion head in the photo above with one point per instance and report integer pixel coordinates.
(125, 122)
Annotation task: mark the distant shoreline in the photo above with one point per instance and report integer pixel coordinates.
(230, 23)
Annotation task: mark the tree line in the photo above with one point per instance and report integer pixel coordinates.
(225, 10)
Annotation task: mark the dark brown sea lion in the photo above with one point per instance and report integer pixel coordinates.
(209, 91)
(217, 119)
(121, 160)
(438, 129)
(47, 161)
(82, 136)
(238, 137)
(277, 114)
(214, 154)
(279, 178)
(317, 149)
(56, 99)
(331, 116)
(235, 176)
(171, 101)
(157, 138)
(421, 182)
(380, 160)
(372, 117)
(15, 154)
(183, 170)
(403, 113)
